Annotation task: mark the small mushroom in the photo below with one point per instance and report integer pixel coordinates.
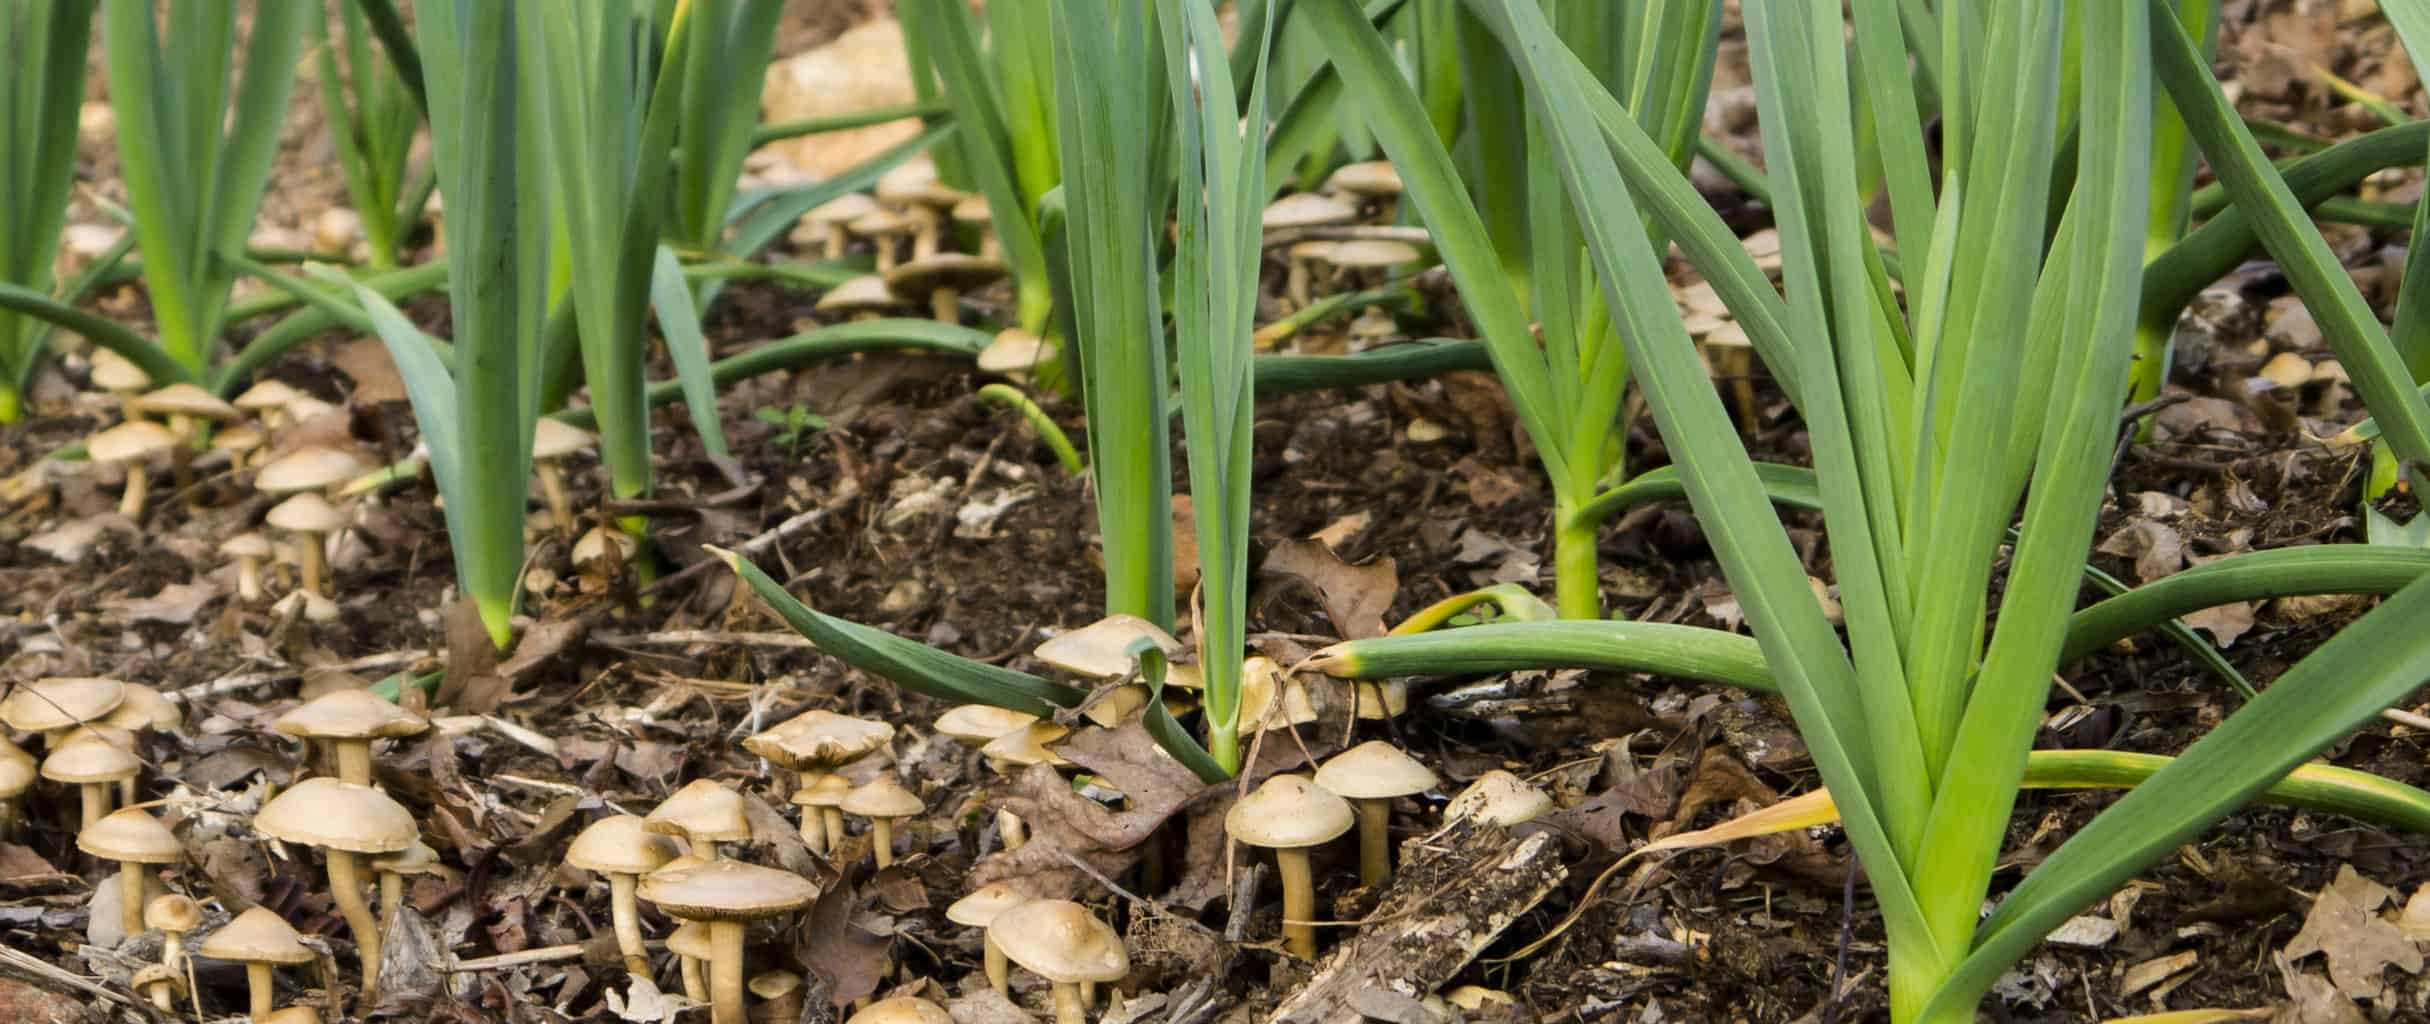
(822, 804)
(974, 214)
(554, 440)
(60, 703)
(600, 550)
(1062, 942)
(913, 187)
(1271, 700)
(172, 915)
(1017, 354)
(1307, 210)
(728, 895)
(417, 859)
(239, 442)
(119, 376)
(261, 940)
(885, 229)
(1369, 259)
(17, 774)
(901, 1010)
(1475, 998)
(269, 401)
(1019, 749)
(1289, 814)
(973, 725)
(940, 279)
(129, 445)
(1371, 776)
(622, 848)
(310, 468)
(780, 997)
(1371, 180)
(143, 708)
(860, 298)
(1102, 649)
(181, 405)
(345, 722)
(1299, 270)
(882, 801)
(690, 939)
(812, 745)
(1498, 798)
(347, 821)
(94, 758)
(130, 838)
(310, 518)
(160, 983)
(831, 221)
(704, 813)
(249, 550)
(978, 910)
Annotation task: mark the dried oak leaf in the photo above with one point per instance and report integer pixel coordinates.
(835, 945)
(1355, 596)
(2345, 928)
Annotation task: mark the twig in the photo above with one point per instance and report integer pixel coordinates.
(249, 680)
(755, 546)
(688, 637)
(524, 958)
(49, 975)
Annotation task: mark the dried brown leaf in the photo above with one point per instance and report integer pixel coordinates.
(2345, 928)
(1354, 597)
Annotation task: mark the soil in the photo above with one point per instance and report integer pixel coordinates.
(947, 521)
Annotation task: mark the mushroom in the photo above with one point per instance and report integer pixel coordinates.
(268, 401)
(1475, 998)
(973, 725)
(345, 722)
(553, 440)
(691, 945)
(901, 1010)
(913, 187)
(294, 1015)
(831, 221)
(1732, 355)
(812, 745)
(260, 940)
(416, 859)
(1289, 814)
(622, 848)
(1269, 699)
(978, 910)
(780, 997)
(1370, 258)
(881, 801)
(1306, 210)
(600, 550)
(129, 445)
(704, 813)
(144, 708)
(346, 820)
(1498, 798)
(822, 804)
(310, 517)
(17, 773)
(728, 895)
(310, 468)
(1299, 277)
(974, 213)
(1102, 649)
(1064, 943)
(94, 758)
(159, 982)
(1370, 180)
(119, 376)
(1371, 776)
(239, 442)
(130, 838)
(859, 298)
(172, 915)
(883, 228)
(249, 550)
(308, 604)
(940, 279)
(1017, 354)
(60, 703)
(182, 405)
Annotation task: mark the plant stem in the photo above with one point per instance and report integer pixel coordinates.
(1577, 573)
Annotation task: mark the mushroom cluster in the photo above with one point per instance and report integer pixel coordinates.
(910, 210)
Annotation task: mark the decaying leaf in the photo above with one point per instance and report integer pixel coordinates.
(1355, 596)
(176, 604)
(2346, 929)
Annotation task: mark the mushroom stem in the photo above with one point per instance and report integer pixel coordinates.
(999, 966)
(353, 760)
(835, 826)
(130, 501)
(1299, 902)
(1088, 995)
(814, 830)
(392, 898)
(1014, 832)
(130, 898)
(258, 989)
(163, 995)
(346, 890)
(1067, 1004)
(8, 817)
(881, 835)
(627, 917)
(1374, 840)
(886, 258)
(127, 792)
(930, 226)
(96, 797)
(308, 551)
(1298, 283)
(837, 237)
(726, 972)
(249, 578)
(173, 950)
(695, 984)
(181, 462)
(945, 304)
(560, 504)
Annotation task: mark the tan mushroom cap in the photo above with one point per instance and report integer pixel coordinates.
(293, 1015)
(975, 724)
(686, 862)
(1498, 798)
(1307, 210)
(1289, 811)
(1476, 997)
(915, 279)
(1101, 649)
(247, 545)
(691, 939)
(556, 439)
(864, 294)
(336, 815)
(45, 705)
(819, 739)
(184, 400)
(310, 468)
(1060, 941)
(916, 181)
(157, 974)
(980, 908)
(1371, 254)
(841, 210)
(883, 797)
(1374, 770)
(620, 844)
(257, 936)
(17, 770)
(774, 984)
(416, 858)
(267, 395)
(116, 373)
(239, 438)
(974, 211)
(93, 753)
(129, 442)
(728, 890)
(701, 810)
(596, 544)
(880, 223)
(172, 912)
(145, 708)
(828, 791)
(1026, 746)
(1366, 178)
(306, 513)
(903, 1010)
(1262, 683)
(130, 836)
(350, 714)
(1015, 351)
